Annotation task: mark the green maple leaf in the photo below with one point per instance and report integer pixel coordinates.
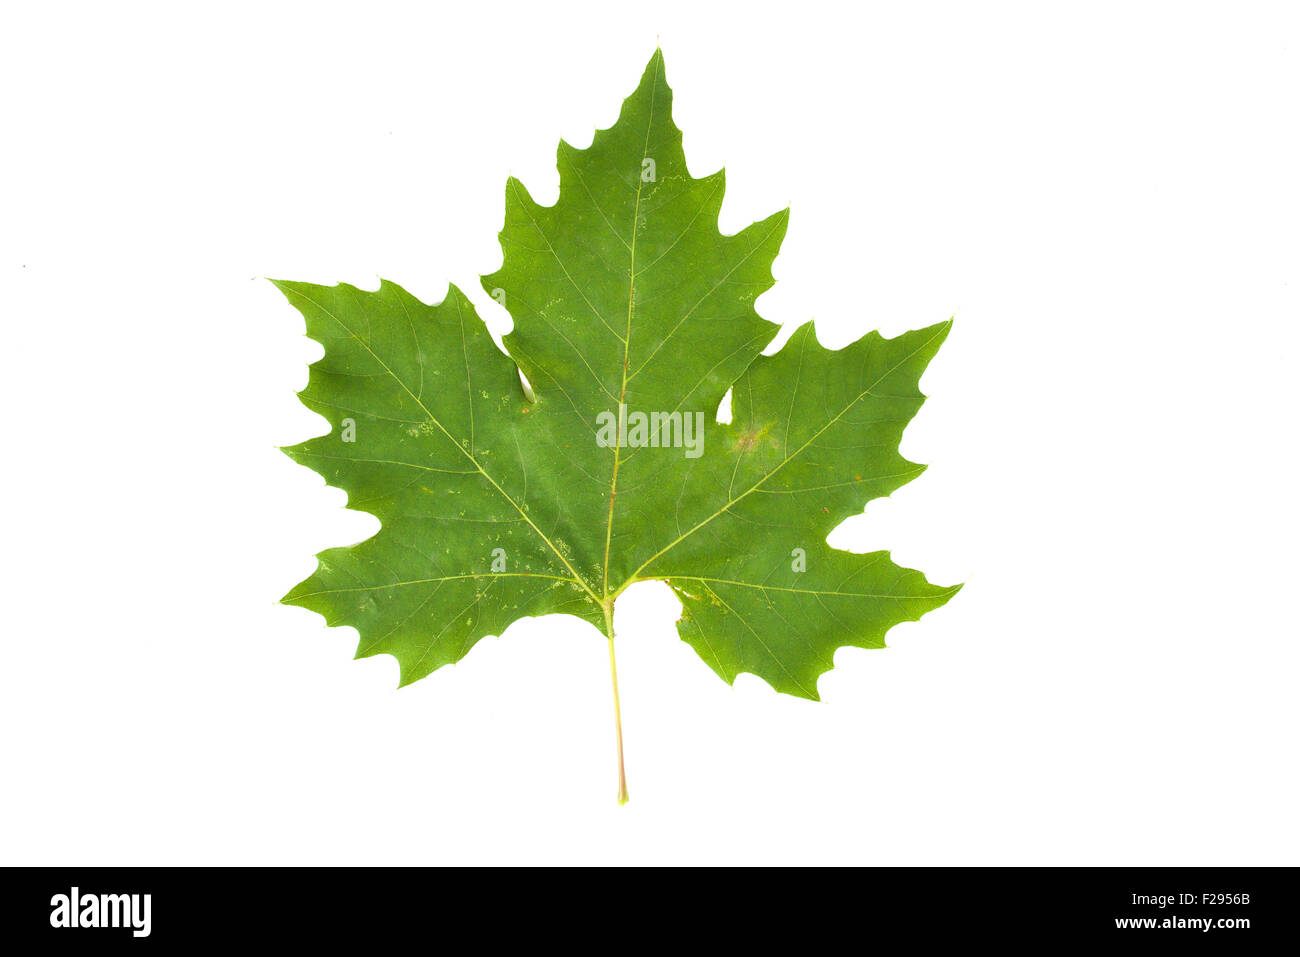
(499, 502)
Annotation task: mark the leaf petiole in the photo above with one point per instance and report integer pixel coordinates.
(618, 719)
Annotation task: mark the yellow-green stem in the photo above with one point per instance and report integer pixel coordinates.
(618, 718)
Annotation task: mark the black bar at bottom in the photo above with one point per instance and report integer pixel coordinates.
(129, 908)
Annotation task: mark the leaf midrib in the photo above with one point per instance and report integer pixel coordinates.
(627, 338)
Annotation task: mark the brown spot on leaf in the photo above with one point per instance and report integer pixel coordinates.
(749, 438)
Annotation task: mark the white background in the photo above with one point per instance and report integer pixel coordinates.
(1104, 195)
